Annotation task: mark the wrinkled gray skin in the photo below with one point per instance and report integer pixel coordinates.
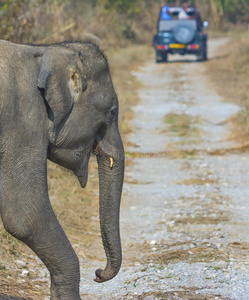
(58, 102)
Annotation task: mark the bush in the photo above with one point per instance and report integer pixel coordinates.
(116, 22)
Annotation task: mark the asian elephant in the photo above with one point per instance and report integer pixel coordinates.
(57, 102)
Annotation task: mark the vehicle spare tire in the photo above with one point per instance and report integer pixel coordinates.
(184, 33)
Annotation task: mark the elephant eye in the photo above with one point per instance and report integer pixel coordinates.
(114, 111)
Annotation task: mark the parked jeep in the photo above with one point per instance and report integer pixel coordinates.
(180, 36)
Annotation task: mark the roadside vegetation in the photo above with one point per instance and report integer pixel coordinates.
(116, 22)
(229, 72)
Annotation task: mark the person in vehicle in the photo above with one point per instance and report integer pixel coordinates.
(164, 14)
(183, 13)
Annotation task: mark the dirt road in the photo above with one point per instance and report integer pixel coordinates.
(184, 218)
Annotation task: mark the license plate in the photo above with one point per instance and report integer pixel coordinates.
(177, 46)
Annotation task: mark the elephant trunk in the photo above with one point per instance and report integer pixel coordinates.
(111, 173)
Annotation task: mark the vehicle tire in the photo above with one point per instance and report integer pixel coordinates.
(159, 56)
(158, 59)
(204, 56)
(184, 33)
(165, 57)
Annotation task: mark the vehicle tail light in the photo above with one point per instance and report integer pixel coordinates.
(161, 47)
(193, 46)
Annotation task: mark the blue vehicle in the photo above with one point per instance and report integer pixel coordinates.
(183, 34)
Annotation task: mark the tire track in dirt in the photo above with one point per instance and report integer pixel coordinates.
(184, 217)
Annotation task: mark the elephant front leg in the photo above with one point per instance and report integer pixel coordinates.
(27, 215)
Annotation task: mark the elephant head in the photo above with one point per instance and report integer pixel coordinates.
(82, 108)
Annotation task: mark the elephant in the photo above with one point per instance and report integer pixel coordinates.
(58, 103)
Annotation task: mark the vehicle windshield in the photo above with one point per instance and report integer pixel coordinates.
(175, 11)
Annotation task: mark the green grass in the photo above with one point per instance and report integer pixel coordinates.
(2, 268)
(184, 126)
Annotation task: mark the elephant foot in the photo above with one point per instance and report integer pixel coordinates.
(64, 295)
(65, 288)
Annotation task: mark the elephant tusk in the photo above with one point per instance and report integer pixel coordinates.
(111, 162)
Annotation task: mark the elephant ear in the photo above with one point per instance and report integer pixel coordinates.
(60, 84)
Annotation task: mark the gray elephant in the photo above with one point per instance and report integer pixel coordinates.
(58, 102)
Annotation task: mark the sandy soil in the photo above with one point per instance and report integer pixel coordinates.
(184, 217)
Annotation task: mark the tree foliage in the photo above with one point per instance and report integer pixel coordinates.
(219, 13)
(234, 10)
(122, 6)
(115, 20)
